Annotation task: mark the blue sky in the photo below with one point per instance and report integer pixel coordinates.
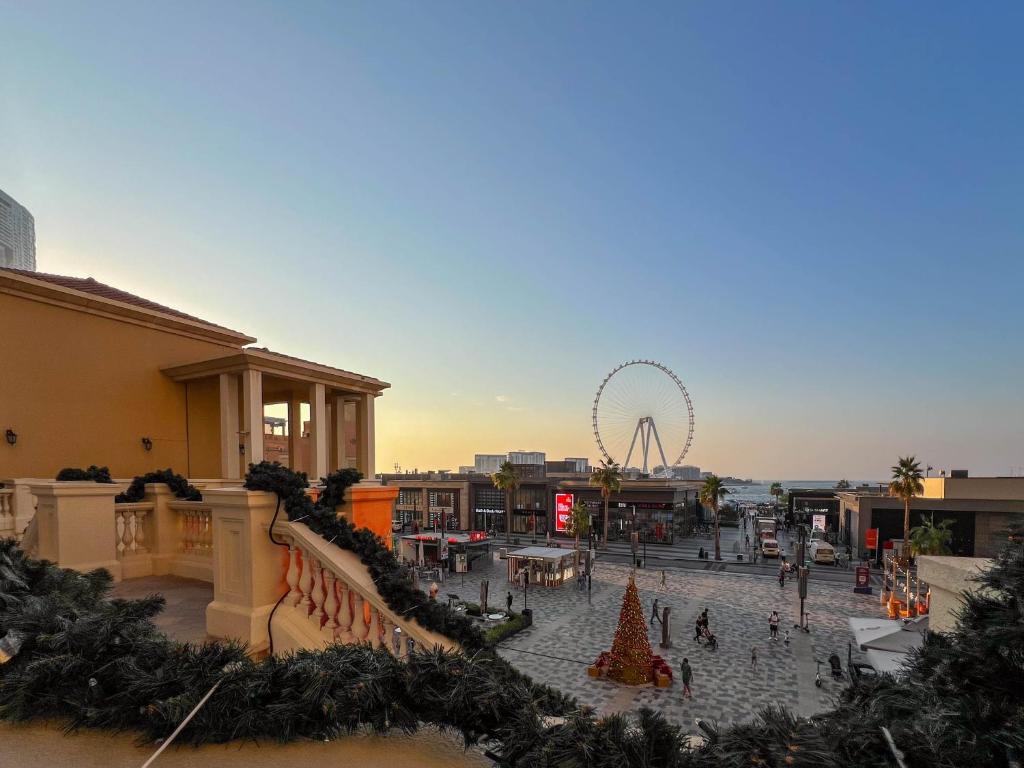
(812, 212)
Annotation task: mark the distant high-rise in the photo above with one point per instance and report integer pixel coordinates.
(17, 235)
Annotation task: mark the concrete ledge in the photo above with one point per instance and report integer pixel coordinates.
(234, 622)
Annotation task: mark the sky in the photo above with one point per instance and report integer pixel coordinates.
(810, 212)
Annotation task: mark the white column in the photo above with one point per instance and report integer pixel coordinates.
(229, 465)
(340, 446)
(294, 433)
(318, 432)
(252, 415)
(365, 448)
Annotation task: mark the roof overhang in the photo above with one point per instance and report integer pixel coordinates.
(275, 364)
(50, 293)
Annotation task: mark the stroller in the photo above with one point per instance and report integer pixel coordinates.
(709, 637)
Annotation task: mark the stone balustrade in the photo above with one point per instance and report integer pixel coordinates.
(7, 524)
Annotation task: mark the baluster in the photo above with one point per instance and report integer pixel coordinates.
(358, 620)
(374, 633)
(140, 531)
(344, 612)
(193, 524)
(292, 577)
(119, 532)
(387, 630)
(306, 583)
(207, 519)
(186, 531)
(330, 605)
(318, 594)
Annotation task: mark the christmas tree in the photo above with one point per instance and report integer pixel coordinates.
(630, 658)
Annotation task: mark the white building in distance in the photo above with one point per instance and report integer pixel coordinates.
(17, 235)
(488, 463)
(527, 457)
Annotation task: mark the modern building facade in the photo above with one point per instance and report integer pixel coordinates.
(658, 509)
(981, 510)
(526, 457)
(17, 235)
(488, 463)
(96, 375)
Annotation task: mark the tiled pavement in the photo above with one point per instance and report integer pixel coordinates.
(569, 631)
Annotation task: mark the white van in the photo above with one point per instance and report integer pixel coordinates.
(822, 552)
(769, 548)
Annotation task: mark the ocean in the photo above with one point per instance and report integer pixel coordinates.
(758, 491)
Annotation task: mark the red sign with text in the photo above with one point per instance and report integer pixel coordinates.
(563, 510)
(871, 538)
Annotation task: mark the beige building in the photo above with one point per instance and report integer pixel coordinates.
(95, 375)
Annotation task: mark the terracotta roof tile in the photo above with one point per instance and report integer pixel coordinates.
(102, 290)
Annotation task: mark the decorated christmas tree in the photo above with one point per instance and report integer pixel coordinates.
(630, 658)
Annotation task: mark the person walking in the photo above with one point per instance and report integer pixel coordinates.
(698, 630)
(753, 658)
(782, 574)
(508, 602)
(773, 626)
(654, 613)
(686, 675)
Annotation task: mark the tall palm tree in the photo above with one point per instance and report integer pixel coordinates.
(776, 491)
(607, 477)
(906, 484)
(505, 479)
(579, 521)
(711, 494)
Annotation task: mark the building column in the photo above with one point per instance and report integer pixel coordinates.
(425, 507)
(294, 432)
(318, 432)
(338, 423)
(252, 415)
(365, 447)
(229, 464)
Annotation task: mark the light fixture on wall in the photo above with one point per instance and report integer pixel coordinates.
(147, 444)
(241, 447)
(12, 436)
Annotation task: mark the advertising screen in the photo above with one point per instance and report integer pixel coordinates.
(818, 521)
(563, 510)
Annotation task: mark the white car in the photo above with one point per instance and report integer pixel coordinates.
(770, 548)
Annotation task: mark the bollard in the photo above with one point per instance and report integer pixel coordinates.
(666, 627)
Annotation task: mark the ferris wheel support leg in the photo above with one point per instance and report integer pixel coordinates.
(632, 443)
(657, 439)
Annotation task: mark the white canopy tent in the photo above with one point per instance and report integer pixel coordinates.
(887, 642)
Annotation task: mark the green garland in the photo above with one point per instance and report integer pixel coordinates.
(136, 491)
(93, 473)
(393, 580)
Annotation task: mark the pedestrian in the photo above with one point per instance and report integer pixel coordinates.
(700, 553)
(753, 658)
(782, 574)
(786, 640)
(747, 537)
(698, 630)
(704, 618)
(773, 626)
(686, 675)
(654, 612)
(508, 602)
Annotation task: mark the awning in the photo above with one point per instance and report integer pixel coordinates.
(887, 642)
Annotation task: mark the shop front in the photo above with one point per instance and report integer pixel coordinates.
(542, 566)
(654, 521)
(454, 552)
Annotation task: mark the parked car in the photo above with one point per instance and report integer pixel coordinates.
(770, 548)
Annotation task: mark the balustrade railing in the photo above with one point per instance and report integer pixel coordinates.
(130, 528)
(342, 610)
(195, 526)
(6, 509)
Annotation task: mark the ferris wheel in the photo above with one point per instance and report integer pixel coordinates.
(638, 402)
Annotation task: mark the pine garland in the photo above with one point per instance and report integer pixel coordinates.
(393, 580)
(181, 487)
(93, 473)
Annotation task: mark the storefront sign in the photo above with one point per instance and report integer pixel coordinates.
(871, 538)
(563, 511)
(818, 521)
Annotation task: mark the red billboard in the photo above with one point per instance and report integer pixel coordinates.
(871, 538)
(563, 511)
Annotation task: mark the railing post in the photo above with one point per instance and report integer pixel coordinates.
(76, 525)
(248, 569)
(166, 538)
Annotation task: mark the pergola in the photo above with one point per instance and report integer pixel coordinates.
(340, 409)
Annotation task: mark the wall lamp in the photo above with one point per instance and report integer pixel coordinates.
(12, 436)
(147, 444)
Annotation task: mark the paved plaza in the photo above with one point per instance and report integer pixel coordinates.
(570, 630)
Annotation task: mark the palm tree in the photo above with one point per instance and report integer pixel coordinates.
(906, 483)
(931, 539)
(607, 477)
(712, 493)
(579, 521)
(505, 480)
(776, 491)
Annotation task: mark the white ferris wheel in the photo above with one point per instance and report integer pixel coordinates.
(639, 402)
